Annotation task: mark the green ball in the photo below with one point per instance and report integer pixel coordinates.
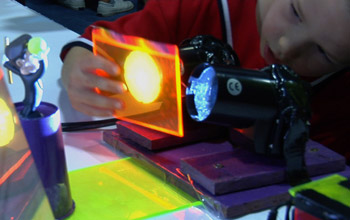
(37, 45)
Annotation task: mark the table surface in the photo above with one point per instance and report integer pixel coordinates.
(82, 149)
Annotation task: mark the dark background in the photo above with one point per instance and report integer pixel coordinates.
(75, 20)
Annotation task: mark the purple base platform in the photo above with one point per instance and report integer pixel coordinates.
(239, 169)
(253, 184)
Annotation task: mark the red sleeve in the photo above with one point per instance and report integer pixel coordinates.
(168, 21)
(246, 39)
(173, 21)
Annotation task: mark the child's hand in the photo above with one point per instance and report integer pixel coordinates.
(89, 81)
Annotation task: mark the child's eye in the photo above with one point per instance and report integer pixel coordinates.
(324, 54)
(294, 11)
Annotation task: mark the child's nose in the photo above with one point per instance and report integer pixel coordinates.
(291, 47)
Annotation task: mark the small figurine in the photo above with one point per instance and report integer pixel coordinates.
(27, 58)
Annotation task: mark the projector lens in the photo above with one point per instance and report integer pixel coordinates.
(203, 90)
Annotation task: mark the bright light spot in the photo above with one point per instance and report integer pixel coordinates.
(142, 77)
(204, 88)
(7, 127)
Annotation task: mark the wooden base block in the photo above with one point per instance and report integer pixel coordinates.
(240, 169)
(155, 140)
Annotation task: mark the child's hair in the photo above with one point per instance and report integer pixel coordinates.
(17, 48)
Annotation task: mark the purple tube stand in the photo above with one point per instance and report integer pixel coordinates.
(44, 136)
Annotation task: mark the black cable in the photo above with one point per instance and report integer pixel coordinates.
(288, 208)
(273, 213)
(87, 125)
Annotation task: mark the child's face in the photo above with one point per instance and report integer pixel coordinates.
(310, 36)
(28, 65)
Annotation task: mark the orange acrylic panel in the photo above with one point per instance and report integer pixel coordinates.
(151, 72)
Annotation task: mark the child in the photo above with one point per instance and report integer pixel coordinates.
(310, 36)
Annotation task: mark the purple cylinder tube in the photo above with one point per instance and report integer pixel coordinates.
(44, 136)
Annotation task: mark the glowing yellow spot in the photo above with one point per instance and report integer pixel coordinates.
(142, 77)
(7, 127)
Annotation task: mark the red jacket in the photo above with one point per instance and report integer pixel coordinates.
(173, 21)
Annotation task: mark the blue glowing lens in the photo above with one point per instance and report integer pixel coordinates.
(204, 89)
